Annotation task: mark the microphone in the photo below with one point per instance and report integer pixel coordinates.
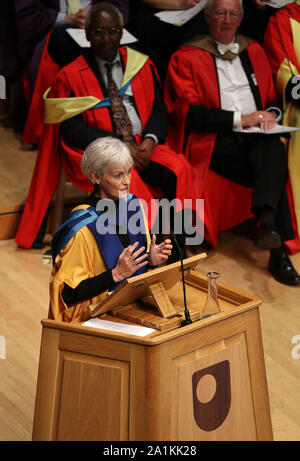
(187, 320)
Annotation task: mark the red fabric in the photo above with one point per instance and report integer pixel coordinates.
(35, 119)
(192, 80)
(78, 78)
(278, 40)
(226, 204)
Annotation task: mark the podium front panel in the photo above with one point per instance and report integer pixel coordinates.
(205, 381)
(93, 398)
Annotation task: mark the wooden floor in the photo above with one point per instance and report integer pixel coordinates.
(24, 302)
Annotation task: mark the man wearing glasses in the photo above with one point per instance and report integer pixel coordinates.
(217, 87)
(107, 91)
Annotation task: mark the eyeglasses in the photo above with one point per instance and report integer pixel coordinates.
(233, 15)
(100, 33)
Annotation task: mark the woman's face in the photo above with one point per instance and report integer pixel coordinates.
(115, 183)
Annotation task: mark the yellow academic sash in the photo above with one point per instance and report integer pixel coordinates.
(292, 118)
(59, 109)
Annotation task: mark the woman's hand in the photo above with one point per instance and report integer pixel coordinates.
(129, 262)
(159, 254)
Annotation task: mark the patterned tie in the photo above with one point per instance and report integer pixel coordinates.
(120, 116)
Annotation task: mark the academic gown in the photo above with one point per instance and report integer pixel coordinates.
(78, 79)
(282, 46)
(80, 252)
(192, 80)
(47, 71)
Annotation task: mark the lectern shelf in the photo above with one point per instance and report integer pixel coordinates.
(146, 290)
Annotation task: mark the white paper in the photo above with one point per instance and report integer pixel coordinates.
(135, 330)
(180, 17)
(278, 129)
(79, 36)
(278, 3)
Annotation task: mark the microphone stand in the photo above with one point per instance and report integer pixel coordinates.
(187, 320)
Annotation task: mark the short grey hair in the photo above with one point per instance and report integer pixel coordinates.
(103, 153)
(210, 5)
(102, 6)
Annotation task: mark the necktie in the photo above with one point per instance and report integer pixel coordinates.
(120, 116)
(233, 47)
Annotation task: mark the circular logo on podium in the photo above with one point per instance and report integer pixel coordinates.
(211, 395)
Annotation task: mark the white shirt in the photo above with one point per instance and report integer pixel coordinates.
(117, 74)
(235, 91)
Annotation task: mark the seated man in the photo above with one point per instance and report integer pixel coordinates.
(280, 45)
(89, 87)
(217, 85)
(60, 49)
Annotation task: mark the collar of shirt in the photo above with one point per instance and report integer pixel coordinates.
(117, 69)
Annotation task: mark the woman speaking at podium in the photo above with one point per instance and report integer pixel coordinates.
(105, 240)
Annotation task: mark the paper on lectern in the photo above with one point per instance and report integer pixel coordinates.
(119, 327)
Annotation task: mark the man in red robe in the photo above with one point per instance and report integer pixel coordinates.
(217, 87)
(160, 169)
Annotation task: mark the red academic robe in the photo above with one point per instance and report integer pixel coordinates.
(278, 42)
(192, 80)
(78, 79)
(279, 46)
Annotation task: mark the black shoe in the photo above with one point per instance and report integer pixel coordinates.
(268, 238)
(282, 268)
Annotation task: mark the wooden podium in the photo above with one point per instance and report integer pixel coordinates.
(204, 381)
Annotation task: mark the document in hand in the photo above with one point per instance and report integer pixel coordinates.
(278, 129)
(180, 17)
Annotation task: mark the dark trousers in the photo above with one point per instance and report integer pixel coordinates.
(258, 161)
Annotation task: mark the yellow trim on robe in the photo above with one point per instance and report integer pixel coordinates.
(80, 259)
(134, 63)
(59, 109)
(284, 73)
(148, 237)
(296, 37)
(292, 118)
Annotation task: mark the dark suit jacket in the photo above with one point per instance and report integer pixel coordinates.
(210, 120)
(76, 133)
(23, 23)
